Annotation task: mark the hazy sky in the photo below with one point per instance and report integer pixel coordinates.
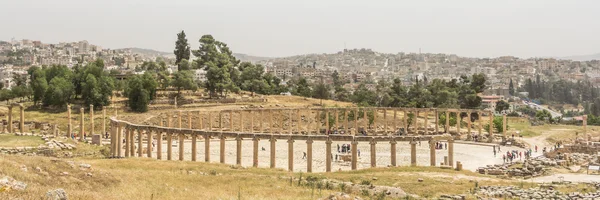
(524, 28)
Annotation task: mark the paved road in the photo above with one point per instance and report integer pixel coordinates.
(538, 107)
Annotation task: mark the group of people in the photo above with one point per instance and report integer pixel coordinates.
(345, 148)
(440, 145)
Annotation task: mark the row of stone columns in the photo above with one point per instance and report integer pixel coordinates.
(120, 131)
(82, 122)
(249, 115)
(21, 121)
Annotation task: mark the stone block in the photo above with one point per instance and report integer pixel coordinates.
(96, 139)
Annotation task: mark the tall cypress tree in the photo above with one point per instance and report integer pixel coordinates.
(182, 48)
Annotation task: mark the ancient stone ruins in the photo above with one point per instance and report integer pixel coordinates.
(303, 124)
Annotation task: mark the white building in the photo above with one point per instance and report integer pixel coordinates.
(200, 75)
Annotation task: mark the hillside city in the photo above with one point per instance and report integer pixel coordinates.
(354, 66)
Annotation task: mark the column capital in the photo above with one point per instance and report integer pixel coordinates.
(328, 141)
(413, 142)
(290, 140)
(309, 141)
(393, 142)
(254, 138)
(239, 138)
(372, 142)
(354, 142)
(272, 139)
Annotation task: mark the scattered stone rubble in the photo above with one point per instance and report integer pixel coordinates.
(340, 196)
(45, 149)
(7, 183)
(546, 192)
(537, 166)
(58, 194)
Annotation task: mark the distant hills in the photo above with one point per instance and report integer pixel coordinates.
(149, 52)
(583, 57)
(248, 58)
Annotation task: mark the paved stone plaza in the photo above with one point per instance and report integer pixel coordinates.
(472, 156)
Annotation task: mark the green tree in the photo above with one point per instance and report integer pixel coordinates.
(184, 80)
(183, 65)
(138, 96)
(182, 49)
(150, 84)
(502, 106)
(59, 92)
(218, 61)
(321, 91)
(5, 95)
(302, 88)
(39, 86)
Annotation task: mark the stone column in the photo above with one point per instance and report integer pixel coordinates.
(222, 149)
(469, 124)
(220, 121)
(194, 149)
(168, 119)
(309, 155)
(271, 127)
(366, 119)
(189, 115)
(255, 151)
(504, 125)
(355, 121)
(179, 118)
(347, 126)
(281, 121)
(272, 156)
(81, 124)
(326, 121)
(317, 121)
(127, 143)
(159, 145)
(251, 121)
(119, 140)
(149, 143)
(290, 155)
(22, 120)
(480, 118)
(416, 122)
(131, 140)
(210, 126)
(354, 154)
(328, 155)
(238, 149)
(291, 121)
(169, 145)
(385, 124)
(10, 121)
(116, 111)
(451, 152)
(373, 153)
(413, 153)
(336, 125)
(92, 120)
(395, 123)
(393, 152)
(405, 122)
(375, 121)
(447, 121)
(432, 152)
(491, 138)
(425, 125)
(231, 120)
(458, 120)
(103, 121)
(200, 120)
(299, 118)
(436, 121)
(113, 148)
(206, 147)
(181, 146)
(260, 122)
(241, 113)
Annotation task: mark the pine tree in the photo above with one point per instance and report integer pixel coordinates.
(182, 48)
